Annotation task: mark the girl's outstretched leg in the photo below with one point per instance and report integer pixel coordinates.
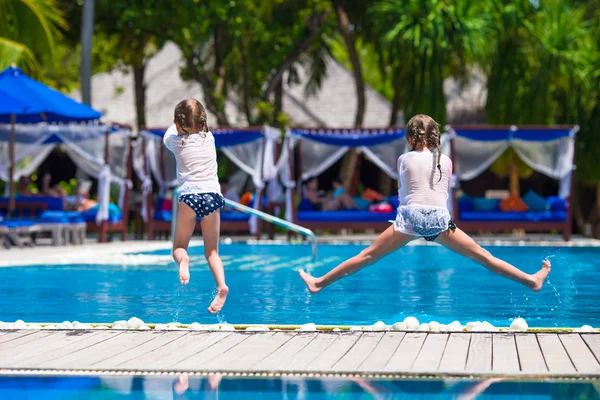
(388, 242)
(211, 230)
(461, 243)
(186, 222)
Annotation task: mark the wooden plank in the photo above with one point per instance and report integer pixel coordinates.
(593, 342)
(249, 353)
(178, 349)
(283, 355)
(579, 353)
(57, 345)
(312, 350)
(430, 356)
(530, 353)
(198, 360)
(199, 342)
(84, 358)
(554, 353)
(480, 353)
(504, 353)
(359, 352)
(405, 355)
(455, 355)
(158, 340)
(9, 336)
(17, 345)
(383, 352)
(334, 352)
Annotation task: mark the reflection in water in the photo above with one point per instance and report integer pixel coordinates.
(216, 387)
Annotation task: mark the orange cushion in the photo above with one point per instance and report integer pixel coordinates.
(513, 203)
(246, 198)
(372, 195)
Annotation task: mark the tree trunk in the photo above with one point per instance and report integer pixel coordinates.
(514, 177)
(344, 27)
(212, 103)
(278, 102)
(314, 27)
(577, 212)
(245, 84)
(87, 34)
(140, 94)
(349, 163)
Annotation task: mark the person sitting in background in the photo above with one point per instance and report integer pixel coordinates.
(228, 193)
(51, 190)
(23, 187)
(339, 200)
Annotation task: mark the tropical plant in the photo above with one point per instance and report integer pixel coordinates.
(425, 42)
(29, 30)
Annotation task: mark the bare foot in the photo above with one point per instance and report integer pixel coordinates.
(219, 300)
(182, 384)
(540, 276)
(184, 271)
(310, 281)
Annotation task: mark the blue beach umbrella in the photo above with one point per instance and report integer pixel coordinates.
(25, 100)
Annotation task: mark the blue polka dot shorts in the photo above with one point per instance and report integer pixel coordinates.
(203, 204)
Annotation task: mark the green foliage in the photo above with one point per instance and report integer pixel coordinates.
(425, 42)
(29, 30)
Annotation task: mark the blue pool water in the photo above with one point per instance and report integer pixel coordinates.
(426, 281)
(94, 388)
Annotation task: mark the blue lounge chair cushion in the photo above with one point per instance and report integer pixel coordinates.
(62, 217)
(234, 216)
(535, 202)
(345, 216)
(114, 214)
(482, 204)
(557, 203)
(529, 216)
(225, 216)
(394, 202)
(163, 216)
(466, 204)
(17, 223)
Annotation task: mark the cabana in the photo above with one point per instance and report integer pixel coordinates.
(251, 149)
(547, 150)
(34, 119)
(319, 149)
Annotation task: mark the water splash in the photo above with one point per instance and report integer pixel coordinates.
(178, 304)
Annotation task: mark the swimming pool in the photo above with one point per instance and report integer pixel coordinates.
(425, 281)
(288, 389)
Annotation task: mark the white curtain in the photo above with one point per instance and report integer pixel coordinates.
(553, 158)
(83, 143)
(385, 156)
(142, 170)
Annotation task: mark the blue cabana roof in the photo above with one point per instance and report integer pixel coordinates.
(224, 137)
(351, 137)
(530, 134)
(34, 102)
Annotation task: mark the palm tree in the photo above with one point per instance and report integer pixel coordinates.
(542, 69)
(28, 32)
(425, 42)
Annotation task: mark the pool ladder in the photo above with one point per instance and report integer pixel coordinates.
(259, 214)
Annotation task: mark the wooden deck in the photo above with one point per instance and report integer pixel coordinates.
(275, 353)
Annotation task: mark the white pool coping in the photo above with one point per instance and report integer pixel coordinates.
(117, 252)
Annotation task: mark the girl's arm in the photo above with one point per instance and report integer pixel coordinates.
(170, 137)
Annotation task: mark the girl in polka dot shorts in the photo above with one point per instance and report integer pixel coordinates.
(199, 192)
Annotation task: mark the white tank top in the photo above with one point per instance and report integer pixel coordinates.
(419, 183)
(196, 159)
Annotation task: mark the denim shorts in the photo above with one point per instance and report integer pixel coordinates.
(203, 204)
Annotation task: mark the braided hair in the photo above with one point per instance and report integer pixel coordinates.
(423, 130)
(190, 116)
